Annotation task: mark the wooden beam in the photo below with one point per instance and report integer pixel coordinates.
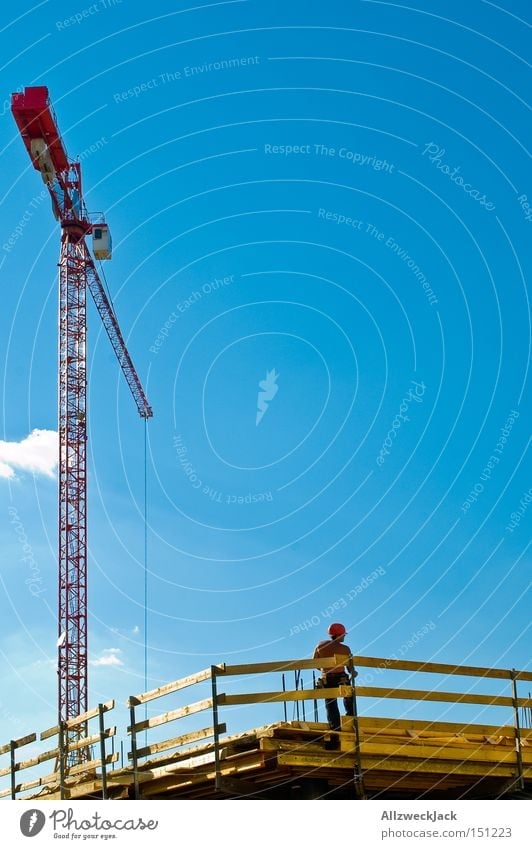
(169, 716)
(480, 754)
(369, 722)
(437, 696)
(174, 742)
(78, 720)
(283, 665)
(395, 765)
(54, 753)
(89, 741)
(280, 696)
(439, 668)
(367, 692)
(21, 741)
(374, 662)
(79, 769)
(173, 687)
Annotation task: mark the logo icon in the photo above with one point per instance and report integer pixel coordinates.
(269, 391)
(32, 822)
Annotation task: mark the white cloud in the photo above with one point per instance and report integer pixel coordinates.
(136, 630)
(36, 453)
(109, 657)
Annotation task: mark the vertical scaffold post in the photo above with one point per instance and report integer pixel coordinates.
(315, 700)
(284, 691)
(517, 731)
(134, 756)
(216, 735)
(62, 757)
(101, 716)
(358, 776)
(13, 747)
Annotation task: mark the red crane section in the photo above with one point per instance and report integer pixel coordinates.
(36, 120)
(37, 124)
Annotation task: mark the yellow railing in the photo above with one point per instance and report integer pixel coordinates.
(192, 746)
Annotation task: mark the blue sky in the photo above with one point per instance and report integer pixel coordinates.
(328, 200)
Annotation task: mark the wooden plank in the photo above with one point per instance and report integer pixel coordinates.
(53, 778)
(367, 692)
(374, 662)
(279, 696)
(437, 696)
(38, 759)
(438, 766)
(402, 747)
(184, 754)
(174, 742)
(282, 665)
(367, 722)
(487, 754)
(54, 753)
(439, 668)
(180, 684)
(90, 741)
(21, 741)
(169, 716)
(395, 765)
(78, 720)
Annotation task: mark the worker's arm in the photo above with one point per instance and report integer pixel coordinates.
(351, 671)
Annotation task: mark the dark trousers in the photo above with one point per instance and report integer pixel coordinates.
(331, 705)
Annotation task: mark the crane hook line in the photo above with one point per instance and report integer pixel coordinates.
(146, 568)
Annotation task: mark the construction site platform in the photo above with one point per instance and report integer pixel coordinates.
(371, 757)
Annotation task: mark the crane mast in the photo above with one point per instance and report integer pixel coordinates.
(77, 271)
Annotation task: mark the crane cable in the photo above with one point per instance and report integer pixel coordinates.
(146, 569)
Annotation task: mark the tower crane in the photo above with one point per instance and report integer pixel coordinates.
(37, 123)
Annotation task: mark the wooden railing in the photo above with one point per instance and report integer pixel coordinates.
(202, 747)
(220, 700)
(64, 774)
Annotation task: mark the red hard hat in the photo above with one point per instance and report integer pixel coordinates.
(335, 629)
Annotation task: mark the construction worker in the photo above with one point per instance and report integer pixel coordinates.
(336, 675)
